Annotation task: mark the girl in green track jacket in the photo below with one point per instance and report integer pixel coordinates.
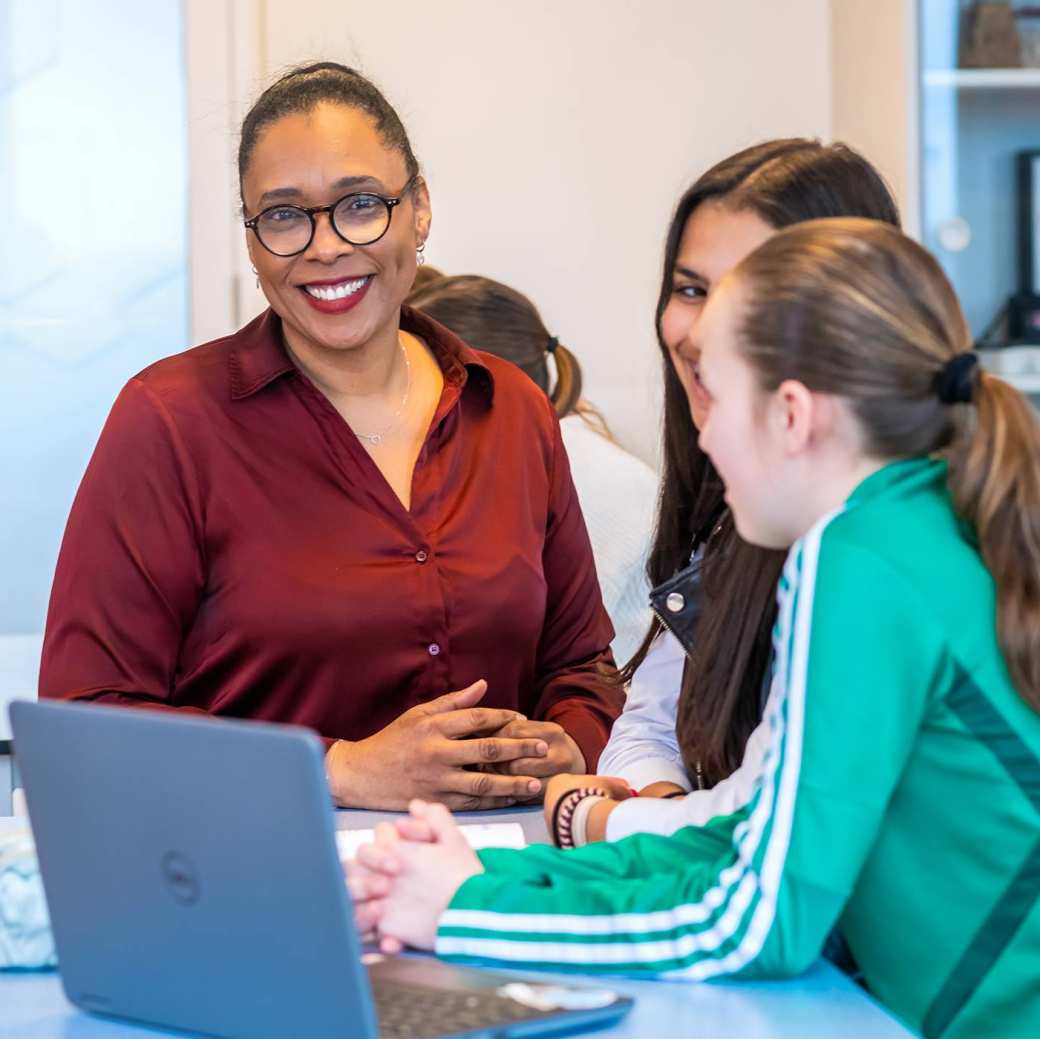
(897, 797)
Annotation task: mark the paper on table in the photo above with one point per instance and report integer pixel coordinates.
(479, 835)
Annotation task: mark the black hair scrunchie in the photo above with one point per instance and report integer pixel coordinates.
(955, 381)
(550, 347)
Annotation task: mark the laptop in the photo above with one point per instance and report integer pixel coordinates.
(193, 883)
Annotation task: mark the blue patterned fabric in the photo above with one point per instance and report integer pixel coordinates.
(26, 942)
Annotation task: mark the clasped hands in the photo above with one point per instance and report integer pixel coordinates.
(403, 881)
(453, 751)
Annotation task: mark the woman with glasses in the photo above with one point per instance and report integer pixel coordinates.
(326, 518)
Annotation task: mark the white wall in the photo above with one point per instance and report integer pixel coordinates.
(556, 136)
(874, 97)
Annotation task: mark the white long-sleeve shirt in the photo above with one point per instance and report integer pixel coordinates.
(644, 749)
(618, 494)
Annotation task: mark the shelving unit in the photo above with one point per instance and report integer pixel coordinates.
(973, 124)
(983, 79)
(1027, 384)
(1025, 358)
(947, 140)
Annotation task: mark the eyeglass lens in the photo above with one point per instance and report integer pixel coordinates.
(361, 219)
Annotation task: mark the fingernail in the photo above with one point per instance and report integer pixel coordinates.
(543, 748)
(534, 786)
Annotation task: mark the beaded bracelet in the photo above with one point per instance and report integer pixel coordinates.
(563, 815)
(580, 819)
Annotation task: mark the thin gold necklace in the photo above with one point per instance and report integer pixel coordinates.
(375, 439)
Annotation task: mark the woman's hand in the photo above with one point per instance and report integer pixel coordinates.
(563, 753)
(432, 751)
(403, 881)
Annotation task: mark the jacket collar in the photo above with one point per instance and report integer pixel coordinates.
(901, 476)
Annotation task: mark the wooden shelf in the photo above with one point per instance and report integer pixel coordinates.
(1028, 358)
(983, 79)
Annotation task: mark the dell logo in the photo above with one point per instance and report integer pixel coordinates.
(181, 877)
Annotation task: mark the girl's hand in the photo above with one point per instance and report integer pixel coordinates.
(406, 882)
(370, 884)
(615, 788)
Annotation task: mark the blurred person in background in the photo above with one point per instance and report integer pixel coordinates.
(617, 490)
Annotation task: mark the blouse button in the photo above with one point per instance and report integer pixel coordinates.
(421, 556)
(433, 649)
(675, 602)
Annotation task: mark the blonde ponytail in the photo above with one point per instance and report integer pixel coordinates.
(995, 482)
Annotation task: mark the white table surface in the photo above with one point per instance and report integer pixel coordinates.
(530, 819)
(822, 1004)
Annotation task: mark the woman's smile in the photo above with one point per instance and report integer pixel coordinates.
(337, 296)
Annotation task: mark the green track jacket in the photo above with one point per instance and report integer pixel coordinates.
(897, 799)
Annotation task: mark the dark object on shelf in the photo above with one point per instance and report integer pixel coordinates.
(989, 37)
(1017, 323)
(1018, 320)
(1024, 319)
(1028, 176)
(1029, 35)
(1024, 307)
(995, 335)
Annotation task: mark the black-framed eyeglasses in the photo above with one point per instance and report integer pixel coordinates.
(360, 218)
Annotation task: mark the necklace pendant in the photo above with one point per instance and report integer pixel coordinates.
(375, 439)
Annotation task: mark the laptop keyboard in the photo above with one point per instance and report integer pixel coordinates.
(415, 1012)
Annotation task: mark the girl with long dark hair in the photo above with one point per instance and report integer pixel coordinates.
(698, 680)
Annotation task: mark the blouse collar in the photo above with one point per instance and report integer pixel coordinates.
(258, 356)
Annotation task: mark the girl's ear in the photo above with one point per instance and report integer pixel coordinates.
(794, 416)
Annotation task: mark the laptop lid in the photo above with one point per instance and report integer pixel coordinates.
(201, 851)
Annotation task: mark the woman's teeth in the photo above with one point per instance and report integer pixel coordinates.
(340, 291)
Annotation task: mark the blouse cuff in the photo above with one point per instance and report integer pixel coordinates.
(581, 724)
(643, 815)
(642, 773)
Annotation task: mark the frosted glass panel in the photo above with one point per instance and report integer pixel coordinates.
(93, 167)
